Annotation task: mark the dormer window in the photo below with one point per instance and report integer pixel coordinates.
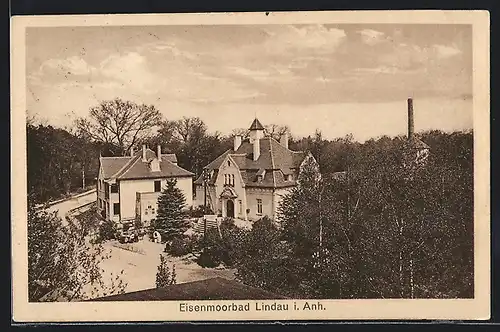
(261, 174)
(154, 165)
(289, 177)
(229, 163)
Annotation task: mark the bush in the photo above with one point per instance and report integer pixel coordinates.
(209, 258)
(138, 223)
(224, 246)
(107, 231)
(179, 246)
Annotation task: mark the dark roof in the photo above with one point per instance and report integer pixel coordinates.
(122, 168)
(416, 143)
(275, 158)
(111, 165)
(209, 289)
(256, 125)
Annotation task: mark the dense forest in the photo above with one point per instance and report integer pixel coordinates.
(380, 230)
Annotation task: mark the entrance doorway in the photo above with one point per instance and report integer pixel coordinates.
(230, 208)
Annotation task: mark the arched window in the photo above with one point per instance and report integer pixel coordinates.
(229, 163)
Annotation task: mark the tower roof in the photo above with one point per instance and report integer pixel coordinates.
(256, 125)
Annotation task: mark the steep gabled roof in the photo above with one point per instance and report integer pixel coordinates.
(122, 168)
(256, 125)
(111, 165)
(275, 158)
(416, 143)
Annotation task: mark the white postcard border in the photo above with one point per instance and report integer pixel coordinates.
(477, 308)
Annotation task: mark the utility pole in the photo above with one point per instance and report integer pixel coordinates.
(83, 177)
(205, 179)
(348, 194)
(320, 217)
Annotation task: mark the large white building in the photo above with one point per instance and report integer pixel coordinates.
(128, 187)
(248, 181)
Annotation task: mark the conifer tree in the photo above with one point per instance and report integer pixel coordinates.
(165, 277)
(170, 221)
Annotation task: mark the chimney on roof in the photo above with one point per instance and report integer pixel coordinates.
(284, 140)
(158, 152)
(132, 151)
(410, 119)
(237, 142)
(256, 149)
(144, 153)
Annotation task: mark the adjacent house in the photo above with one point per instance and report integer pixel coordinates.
(128, 187)
(248, 181)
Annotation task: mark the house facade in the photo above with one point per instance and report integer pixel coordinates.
(248, 181)
(128, 187)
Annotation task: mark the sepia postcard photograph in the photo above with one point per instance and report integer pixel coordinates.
(251, 166)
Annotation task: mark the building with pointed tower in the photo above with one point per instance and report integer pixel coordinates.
(248, 181)
(128, 187)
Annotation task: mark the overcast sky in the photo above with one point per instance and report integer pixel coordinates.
(338, 78)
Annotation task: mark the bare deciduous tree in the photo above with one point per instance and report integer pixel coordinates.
(240, 132)
(189, 129)
(276, 131)
(119, 122)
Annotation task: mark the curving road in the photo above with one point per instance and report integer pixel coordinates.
(64, 207)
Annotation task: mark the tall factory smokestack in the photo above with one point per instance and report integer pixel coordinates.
(411, 124)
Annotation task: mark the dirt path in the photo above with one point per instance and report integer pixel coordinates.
(65, 206)
(140, 262)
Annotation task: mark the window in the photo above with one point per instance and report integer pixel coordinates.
(289, 177)
(240, 207)
(116, 209)
(259, 206)
(106, 190)
(228, 163)
(157, 186)
(114, 188)
(229, 179)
